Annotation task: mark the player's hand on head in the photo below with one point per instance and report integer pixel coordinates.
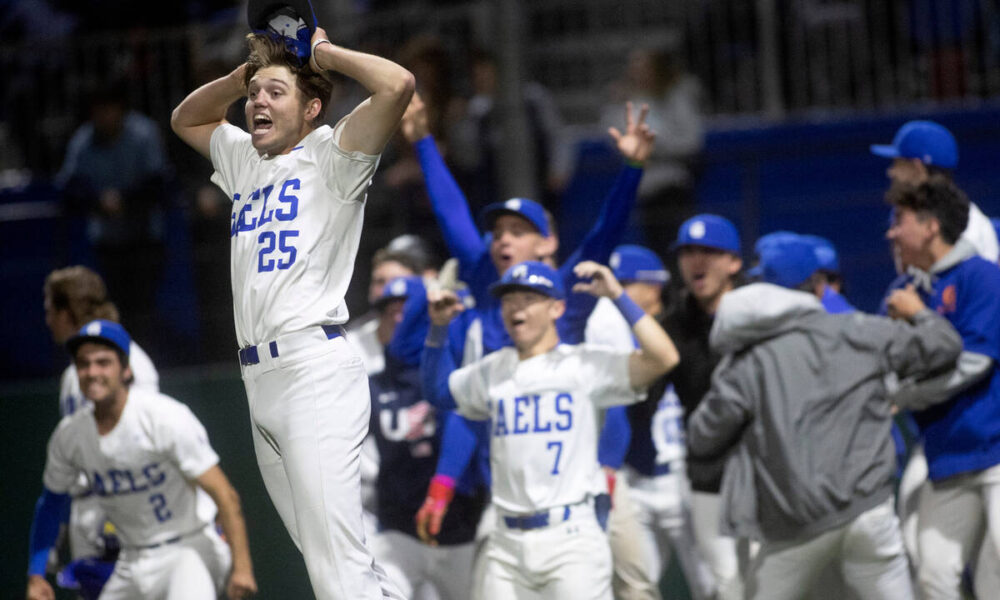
(905, 303)
(602, 281)
(635, 143)
(442, 305)
(39, 589)
(415, 124)
(319, 34)
(241, 585)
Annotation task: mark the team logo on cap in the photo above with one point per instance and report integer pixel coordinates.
(697, 230)
(398, 287)
(513, 204)
(94, 329)
(616, 260)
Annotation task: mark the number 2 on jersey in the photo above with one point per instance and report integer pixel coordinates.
(558, 447)
(160, 508)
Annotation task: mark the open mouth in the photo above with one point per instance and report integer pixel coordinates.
(261, 124)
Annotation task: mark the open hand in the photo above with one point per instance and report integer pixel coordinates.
(636, 143)
(442, 305)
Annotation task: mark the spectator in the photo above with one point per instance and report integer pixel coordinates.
(655, 77)
(116, 173)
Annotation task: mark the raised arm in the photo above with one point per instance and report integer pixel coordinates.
(241, 581)
(372, 122)
(437, 362)
(656, 354)
(203, 110)
(451, 209)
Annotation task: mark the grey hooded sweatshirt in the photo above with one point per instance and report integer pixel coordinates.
(799, 401)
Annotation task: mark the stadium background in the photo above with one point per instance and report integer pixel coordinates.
(795, 91)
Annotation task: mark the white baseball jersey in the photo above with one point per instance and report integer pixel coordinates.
(543, 436)
(981, 234)
(142, 470)
(295, 227)
(146, 378)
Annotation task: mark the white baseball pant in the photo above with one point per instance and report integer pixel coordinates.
(653, 515)
(309, 408)
(869, 550)
(719, 550)
(566, 559)
(956, 516)
(193, 568)
(411, 564)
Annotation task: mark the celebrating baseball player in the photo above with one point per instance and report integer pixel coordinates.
(539, 397)
(642, 447)
(799, 404)
(149, 462)
(298, 190)
(958, 411)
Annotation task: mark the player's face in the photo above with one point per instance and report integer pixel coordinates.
(383, 274)
(707, 272)
(389, 317)
(276, 113)
(529, 317)
(907, 170)
(911, 237)
(102, 375)
(59, 322)
(516, 240)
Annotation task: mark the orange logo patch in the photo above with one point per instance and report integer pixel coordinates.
(949, 300)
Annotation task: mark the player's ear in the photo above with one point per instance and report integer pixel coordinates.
(557, 308)
(313, 107)
(735, 265)
(548, 245)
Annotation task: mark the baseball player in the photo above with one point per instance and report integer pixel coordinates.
(958, 412)
(149, 462)
(518, 230)
(709, 263)
(408, 432)
(298, 190)
(539, 397)
(75, 296)
(799, 406)
(642, 447)
(921, 149)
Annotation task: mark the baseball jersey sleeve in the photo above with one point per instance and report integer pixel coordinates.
(232, 155)
(605, 373)
(468, 387)
(60, 473)
(977, 318)
(348, 173)
(184, 437)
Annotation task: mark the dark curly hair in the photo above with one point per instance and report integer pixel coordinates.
(938, 197)
(267, 51)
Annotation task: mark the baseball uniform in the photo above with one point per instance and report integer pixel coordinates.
(143, 473)
(295, 228)
(86, 519)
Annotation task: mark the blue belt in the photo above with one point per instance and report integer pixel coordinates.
(172, 540)
(251, 354)
(662, 469)
(533, 521)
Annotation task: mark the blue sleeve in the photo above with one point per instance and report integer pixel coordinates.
(50, 510)
(451, 209)
(407, 341)
(597, 246)
(977, 316)
(436, 363)
(458, 444)
(615, 437)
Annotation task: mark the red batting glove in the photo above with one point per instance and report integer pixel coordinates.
(609, 474)
(429, 517)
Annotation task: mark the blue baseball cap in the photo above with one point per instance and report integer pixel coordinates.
(401, 288)
(711, 231)
(105, 332)
(522, 207)
(635, 263)
(533, 276)
(770, 239)
(290, 21)
(787, 262)
(926, 141)
(826, 253)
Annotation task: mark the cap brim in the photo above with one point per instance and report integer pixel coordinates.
(499, 289)
(884, 150)
(491, 212)
(73, 344)
(259, 13)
